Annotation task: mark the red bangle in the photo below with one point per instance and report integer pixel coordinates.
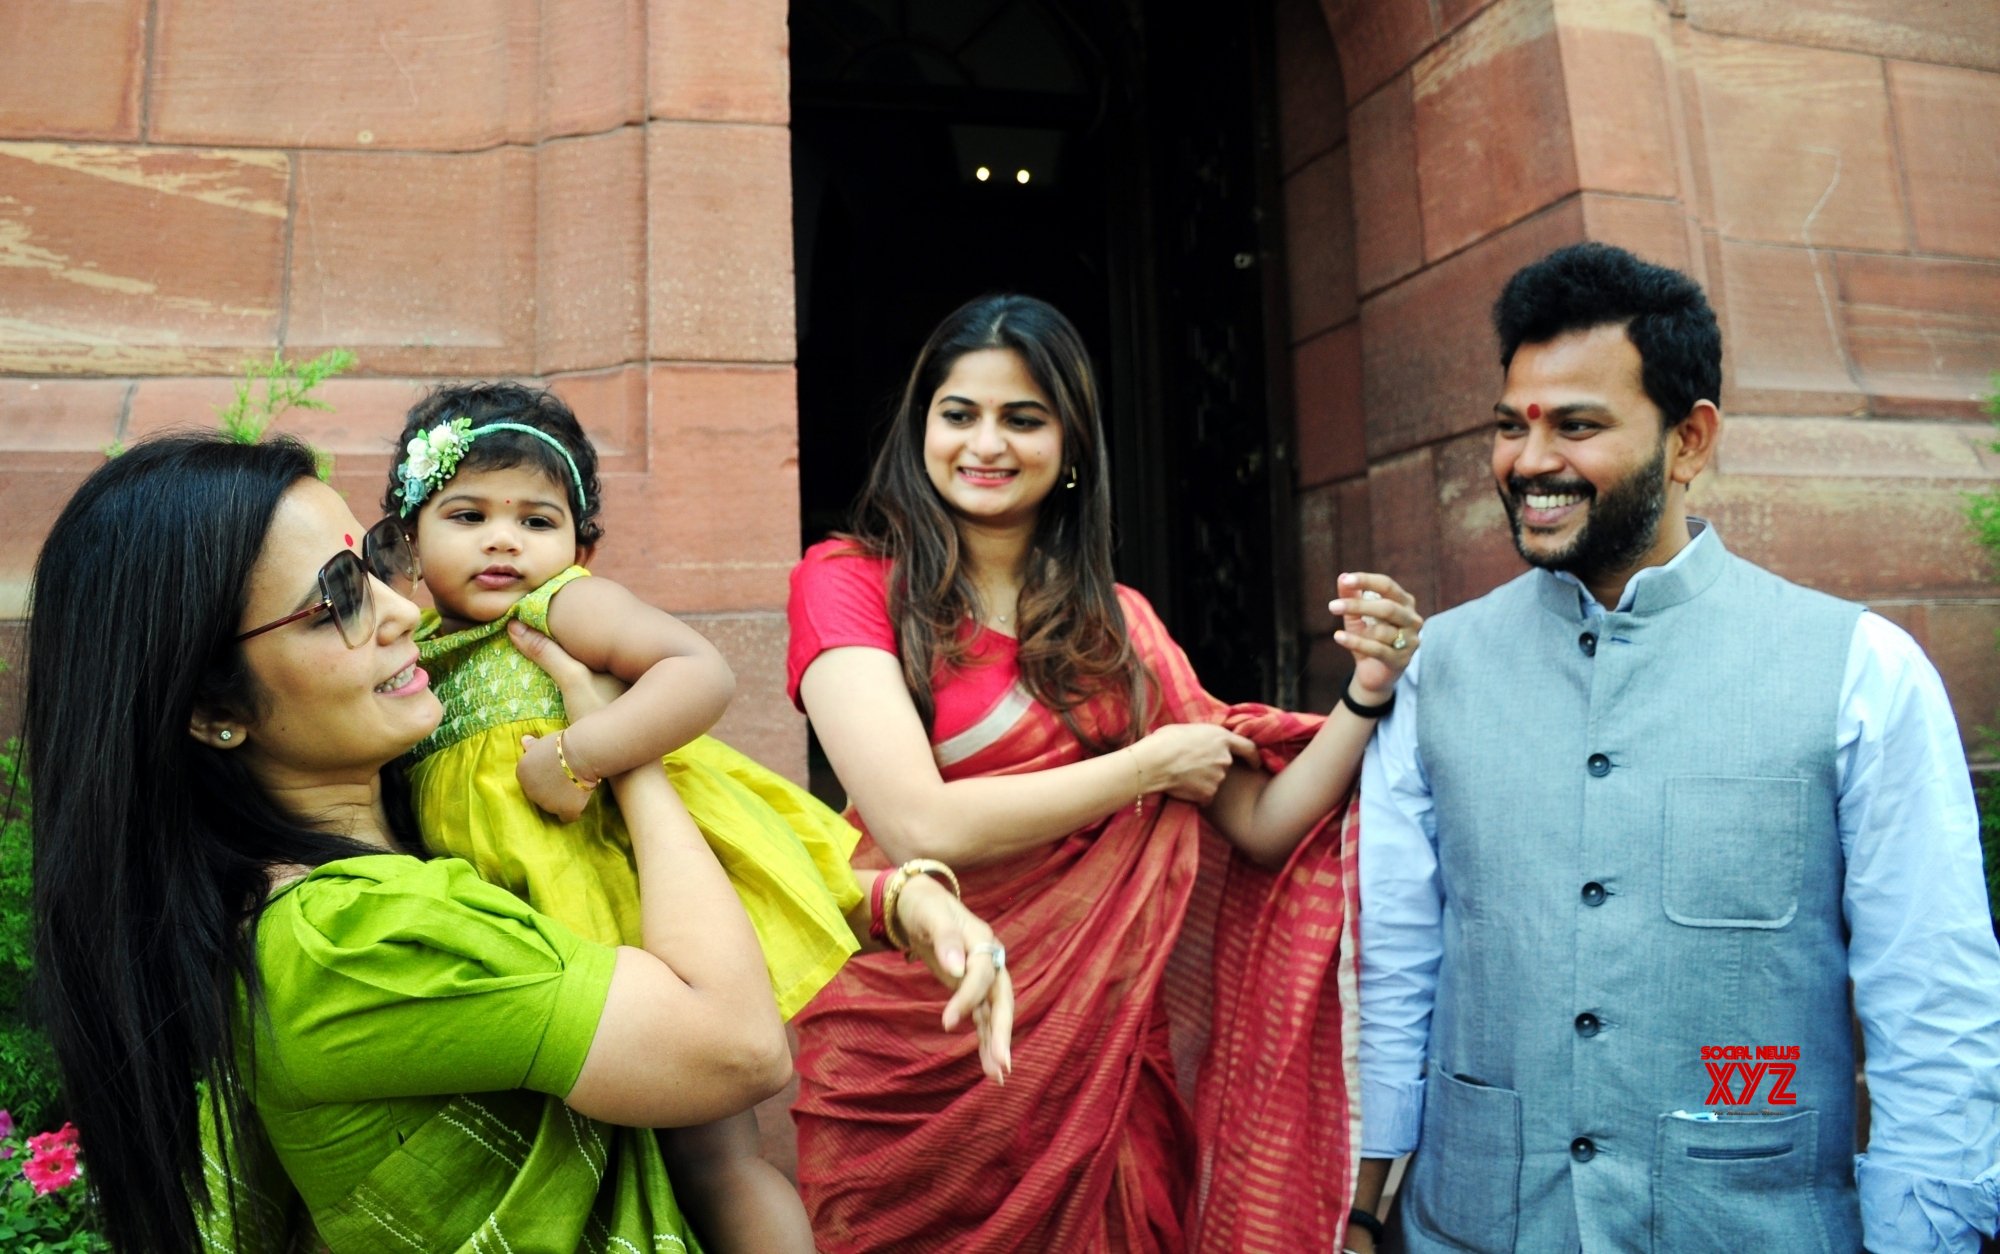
(878, 925)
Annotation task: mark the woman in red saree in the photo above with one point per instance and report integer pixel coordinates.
(1173, 912)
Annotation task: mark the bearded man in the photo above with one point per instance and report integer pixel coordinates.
(1649, 829)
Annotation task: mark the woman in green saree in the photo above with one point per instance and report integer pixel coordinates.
(246, 969)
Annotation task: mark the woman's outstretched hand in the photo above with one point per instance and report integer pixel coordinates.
(962, 952)
(1379, 626)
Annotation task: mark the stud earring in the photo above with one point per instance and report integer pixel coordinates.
(225, 735)
(1072, 478)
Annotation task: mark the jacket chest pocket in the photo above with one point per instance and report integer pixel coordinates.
(1734, 849)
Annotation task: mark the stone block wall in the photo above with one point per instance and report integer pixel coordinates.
(1827, 171)
(591, 193)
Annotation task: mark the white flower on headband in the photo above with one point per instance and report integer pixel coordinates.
(433, 457)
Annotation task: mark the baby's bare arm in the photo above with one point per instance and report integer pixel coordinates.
(680, 683)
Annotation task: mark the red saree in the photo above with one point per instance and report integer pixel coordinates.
(1145, 955)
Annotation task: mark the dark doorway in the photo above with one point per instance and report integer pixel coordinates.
(1128, 180)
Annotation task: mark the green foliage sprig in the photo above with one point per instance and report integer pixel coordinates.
(268, 389)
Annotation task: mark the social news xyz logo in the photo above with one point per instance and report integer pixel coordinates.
(1736, 1072)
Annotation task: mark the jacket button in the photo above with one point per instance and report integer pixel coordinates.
(1598, 765)
(1588, 1024)
(1588, 643)
(1583, 1149)
(1593, 894)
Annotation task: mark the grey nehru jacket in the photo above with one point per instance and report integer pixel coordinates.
(1639, 858)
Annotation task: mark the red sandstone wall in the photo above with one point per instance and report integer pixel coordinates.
(1826, 169)
(596, 193)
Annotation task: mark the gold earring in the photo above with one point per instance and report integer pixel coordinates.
(1072, 478)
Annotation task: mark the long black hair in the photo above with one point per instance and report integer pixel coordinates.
(1073, 639)
(152, 850)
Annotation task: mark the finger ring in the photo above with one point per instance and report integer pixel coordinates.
(1400, 643)
(995, 950)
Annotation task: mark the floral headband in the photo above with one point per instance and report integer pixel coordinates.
(433, 458)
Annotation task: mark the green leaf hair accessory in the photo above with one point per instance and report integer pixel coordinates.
(432, 458)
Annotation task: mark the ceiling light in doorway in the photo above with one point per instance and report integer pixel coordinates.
(1020, 176)
(982, 174)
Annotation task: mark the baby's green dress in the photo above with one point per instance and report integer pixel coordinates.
(785, 853)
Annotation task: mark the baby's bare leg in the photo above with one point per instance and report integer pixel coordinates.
(739, 1203)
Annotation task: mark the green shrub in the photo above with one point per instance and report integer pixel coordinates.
(1983, 509)
(28, 1085)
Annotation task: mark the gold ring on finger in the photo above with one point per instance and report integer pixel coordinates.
(1400, 643)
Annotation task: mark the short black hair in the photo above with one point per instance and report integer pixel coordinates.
(539, 408)
(1664, 313)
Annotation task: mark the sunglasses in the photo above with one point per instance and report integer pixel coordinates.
(345, 589)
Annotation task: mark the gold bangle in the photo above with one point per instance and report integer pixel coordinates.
(892, 895)
(1138, 782)
(562, 759)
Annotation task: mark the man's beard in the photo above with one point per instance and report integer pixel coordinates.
(1618, 527)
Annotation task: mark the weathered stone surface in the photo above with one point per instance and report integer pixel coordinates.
(1924, 334)
(90, 291)
(1475, 546)
(1950, 31)
(719, 228)
(719, 62)
(97, 50)
(1782, 332)
(713, 526)
(1312, 104)
(1403, 522)
(1493, 125)
(1318, 514)
(1859, 448)
(1357, 547)
(1828, 533)
(593, 69)
(1388, 216)
(1326, 388)
(439, 74)
(760, 721)
(1797, 145)
(1319, 245)
(590, 256)
(1946, 119)
(420, 263)
(1657, 230)
(1620, 107)
(1430, 364)
(1377, 38)
(59, 426)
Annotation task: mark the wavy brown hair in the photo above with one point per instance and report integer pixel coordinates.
(1073, 639)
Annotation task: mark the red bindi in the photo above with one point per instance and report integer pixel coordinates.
(349, 539)
(1534, 411)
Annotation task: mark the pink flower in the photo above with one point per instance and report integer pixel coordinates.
(63, 1137)
(52, 1167)
(6, 1123)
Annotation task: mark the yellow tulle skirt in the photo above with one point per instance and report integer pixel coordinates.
(784, 852)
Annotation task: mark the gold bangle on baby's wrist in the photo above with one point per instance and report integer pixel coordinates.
(892, 895)
(562, 760)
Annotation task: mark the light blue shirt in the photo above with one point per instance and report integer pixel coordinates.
(1921, 953)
